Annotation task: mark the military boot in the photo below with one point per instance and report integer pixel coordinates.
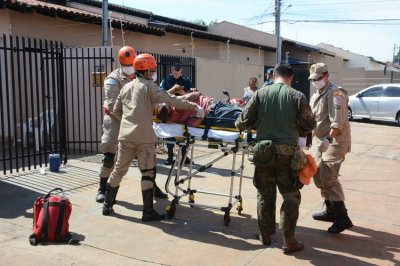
(149, 214)
(102, 190)
(342, 221)
(290, 244)
(158, 193)
(170, 159)
(265, 240)
(327, 214)
(109, 199)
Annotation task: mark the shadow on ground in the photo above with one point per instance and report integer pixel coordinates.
(16, 201)
(202, 225)
(323, 248)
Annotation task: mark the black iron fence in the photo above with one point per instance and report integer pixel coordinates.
(51, 99)
(31, 102)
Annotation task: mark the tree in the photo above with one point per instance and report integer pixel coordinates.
(203, 23)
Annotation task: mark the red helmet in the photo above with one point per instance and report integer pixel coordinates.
(126, 55)
(144, 62)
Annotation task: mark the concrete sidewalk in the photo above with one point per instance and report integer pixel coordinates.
(370, 177)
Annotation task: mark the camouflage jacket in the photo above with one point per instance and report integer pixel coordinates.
(280, 113)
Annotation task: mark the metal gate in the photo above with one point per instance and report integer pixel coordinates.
(51, 99)
(84, 72)
(31, 103)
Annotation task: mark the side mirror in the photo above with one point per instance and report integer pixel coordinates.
(359, 95)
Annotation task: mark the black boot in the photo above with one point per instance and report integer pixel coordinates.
(185, 159)
(109, 199)
(170, 159)
(327, 214)
(149, 214)
(102, 189)
(342, 221)
(158, 193)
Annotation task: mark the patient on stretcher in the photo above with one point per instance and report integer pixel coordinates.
(171, 114)
(213, 110)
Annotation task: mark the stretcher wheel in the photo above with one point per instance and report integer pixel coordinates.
(191, 200)
(170, 211)
(239, 208)
(227, 219)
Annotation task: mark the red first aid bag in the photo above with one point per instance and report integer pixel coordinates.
(50, 218)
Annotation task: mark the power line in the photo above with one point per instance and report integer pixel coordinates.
(347, 3)
(341, 20)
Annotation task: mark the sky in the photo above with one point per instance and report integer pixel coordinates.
(365, 27)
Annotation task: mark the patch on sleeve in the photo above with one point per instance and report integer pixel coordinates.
(110, 82)
(337, 99)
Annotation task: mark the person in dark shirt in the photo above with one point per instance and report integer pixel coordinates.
(170, 82)
(177, 84)
(269, 75)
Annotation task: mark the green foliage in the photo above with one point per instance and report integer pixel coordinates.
(204, 23)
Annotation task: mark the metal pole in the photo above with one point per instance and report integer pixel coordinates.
(192, 43)
(394, 54)
(105, 26)
(227, 50)
(277, 30)
(111, 32)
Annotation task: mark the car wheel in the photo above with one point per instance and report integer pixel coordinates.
(398, 118)
(349, 114)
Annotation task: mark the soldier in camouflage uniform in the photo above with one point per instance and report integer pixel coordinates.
(330, 104)
(113, 83)
(281, 114)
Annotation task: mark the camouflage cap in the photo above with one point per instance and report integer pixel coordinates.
(317, 70)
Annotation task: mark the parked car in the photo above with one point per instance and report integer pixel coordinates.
(380, 102)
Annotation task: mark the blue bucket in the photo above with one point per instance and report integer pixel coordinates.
(55, 162)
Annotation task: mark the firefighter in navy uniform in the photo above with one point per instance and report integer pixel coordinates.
(113, 83)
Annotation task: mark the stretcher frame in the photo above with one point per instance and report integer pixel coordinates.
(237, 147)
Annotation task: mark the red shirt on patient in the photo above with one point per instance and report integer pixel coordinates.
(181, 116)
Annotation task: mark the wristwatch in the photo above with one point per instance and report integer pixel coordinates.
(330, 139)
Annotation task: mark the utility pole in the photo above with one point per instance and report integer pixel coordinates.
(278, 30)
(105, 20)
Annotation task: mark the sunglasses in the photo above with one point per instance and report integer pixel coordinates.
(323, 75)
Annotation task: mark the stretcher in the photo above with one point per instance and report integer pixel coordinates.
(228, 141)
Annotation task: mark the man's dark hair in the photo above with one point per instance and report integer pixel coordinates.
(283, 70)
(176, 66)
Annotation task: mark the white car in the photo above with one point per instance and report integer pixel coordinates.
(380, 102)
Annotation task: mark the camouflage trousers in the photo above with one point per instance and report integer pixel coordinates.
(266, 180)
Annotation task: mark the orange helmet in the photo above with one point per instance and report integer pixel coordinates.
(144, 62)
(126, 55)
